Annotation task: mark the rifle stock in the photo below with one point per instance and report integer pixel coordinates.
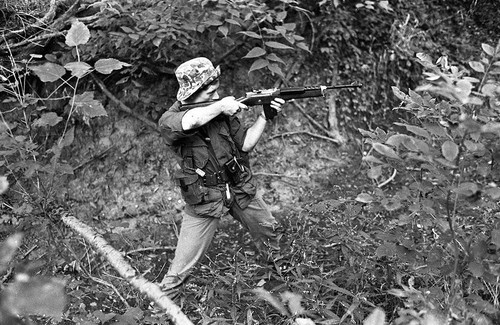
(265, 96)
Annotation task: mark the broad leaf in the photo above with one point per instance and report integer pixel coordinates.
(399, 94)
(476, 269)
(255, 53)
(223, 30)
(396, 139)
(463, 90)
(424, 57)
(385, 150)
(375, 172)
(68, 138)
(88, 106)
(488, 49)
(418, 131)
(477, 66)
(49, 72)
(373, 159)
(47, 119)
(435, 129)
(78, 69)
(366, 133)
(106, 66)
(274, 57)
(78, 34)
(391, 204)
(494, 193)
(303, 46)
(273, 67)
(251, 34)
(364, 198)
(466, 189)
(490, 89)
(449, 149)
(258, 64)
(233, 22)
(278, 45)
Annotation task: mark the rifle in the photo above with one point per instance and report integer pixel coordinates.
(265, 96)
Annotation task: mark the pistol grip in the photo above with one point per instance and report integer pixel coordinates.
(269, 112)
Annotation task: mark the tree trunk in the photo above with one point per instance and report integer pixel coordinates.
(333, 123)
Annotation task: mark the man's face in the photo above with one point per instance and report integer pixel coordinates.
(208, 94)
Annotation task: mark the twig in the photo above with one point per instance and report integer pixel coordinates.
(305, 132)
(101, 281)
(98, 156)
(7, 274)
(335, 160)
(313, 122)
(29, 252)
(147, 249)
(31, 40)
(122, 105)
(387, 181)
(65, 19)
(274, 175)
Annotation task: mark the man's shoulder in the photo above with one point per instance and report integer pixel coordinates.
(175, 107)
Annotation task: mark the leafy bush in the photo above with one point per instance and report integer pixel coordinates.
(32, 135)
(155, 36)
(446, 154)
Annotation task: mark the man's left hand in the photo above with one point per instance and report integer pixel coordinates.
(277, 103)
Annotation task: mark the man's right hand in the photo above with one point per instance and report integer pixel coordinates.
(230, 106)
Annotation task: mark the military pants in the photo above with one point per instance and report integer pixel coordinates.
(197, 233)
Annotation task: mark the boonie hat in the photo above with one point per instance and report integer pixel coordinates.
(194, 74)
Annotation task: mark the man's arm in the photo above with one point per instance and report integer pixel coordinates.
(255, 131)
(199, 116)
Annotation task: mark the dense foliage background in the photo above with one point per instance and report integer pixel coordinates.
(388, 193)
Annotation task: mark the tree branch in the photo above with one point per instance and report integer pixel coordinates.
(315, 123)
(305, 132)
(148, 249)
(122, 105)
(30, 41)
(273, 175)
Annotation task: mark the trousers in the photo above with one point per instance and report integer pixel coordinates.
(197, 233)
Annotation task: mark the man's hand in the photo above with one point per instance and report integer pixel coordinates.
(276, 103)
(230, 106)
(275, 107)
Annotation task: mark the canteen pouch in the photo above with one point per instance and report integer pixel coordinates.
(234, 169)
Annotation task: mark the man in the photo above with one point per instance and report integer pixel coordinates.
(214, 177)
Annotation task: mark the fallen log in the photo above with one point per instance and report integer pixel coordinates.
(126, 271)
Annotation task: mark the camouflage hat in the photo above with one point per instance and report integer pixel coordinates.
(194, 74)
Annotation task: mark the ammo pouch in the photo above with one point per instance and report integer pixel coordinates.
(192, 188)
